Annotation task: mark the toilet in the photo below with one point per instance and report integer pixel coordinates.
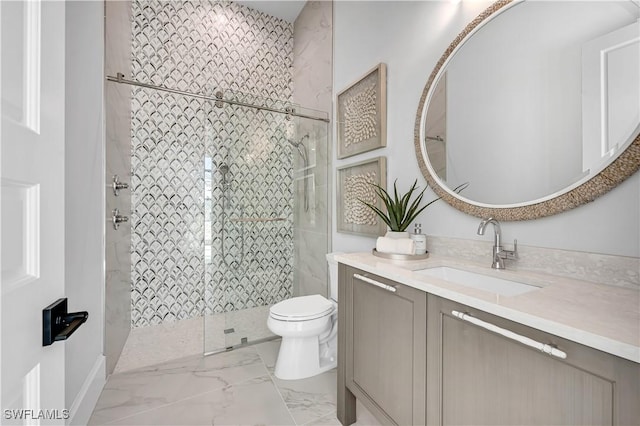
(309, 327)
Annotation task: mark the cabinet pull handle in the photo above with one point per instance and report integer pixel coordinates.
(374, 282)
(543, 347)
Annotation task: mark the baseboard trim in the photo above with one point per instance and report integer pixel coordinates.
(86, 400)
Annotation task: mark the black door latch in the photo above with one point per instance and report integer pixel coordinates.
(58, 324)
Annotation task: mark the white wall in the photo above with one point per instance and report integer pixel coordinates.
(410, 37)
(84, 204)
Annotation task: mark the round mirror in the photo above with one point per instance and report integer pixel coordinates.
(536, 106)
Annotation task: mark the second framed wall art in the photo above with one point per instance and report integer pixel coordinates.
(355, 184)
(362, 114)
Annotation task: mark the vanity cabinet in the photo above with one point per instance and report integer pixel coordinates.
(415, 358)
(383, 326)
(479, 376)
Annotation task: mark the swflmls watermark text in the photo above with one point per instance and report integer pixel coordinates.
(26, 414)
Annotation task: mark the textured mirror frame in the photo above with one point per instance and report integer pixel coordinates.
(611, 176)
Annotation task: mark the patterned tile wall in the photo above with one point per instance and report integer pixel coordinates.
(203, 47)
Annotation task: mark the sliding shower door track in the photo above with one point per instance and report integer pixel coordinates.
(288, 111)
(242, 345)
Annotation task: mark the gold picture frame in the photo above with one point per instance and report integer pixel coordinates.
(362, 114)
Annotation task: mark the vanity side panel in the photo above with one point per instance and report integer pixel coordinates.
(480, 377)
(346, 402)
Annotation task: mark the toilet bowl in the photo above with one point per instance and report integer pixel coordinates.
(308, 326)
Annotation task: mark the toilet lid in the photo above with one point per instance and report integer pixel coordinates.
(301, 308)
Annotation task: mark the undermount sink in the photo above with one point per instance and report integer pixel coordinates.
(500, 286)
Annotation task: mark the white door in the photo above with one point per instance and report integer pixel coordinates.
(610, 94)
(32, 205)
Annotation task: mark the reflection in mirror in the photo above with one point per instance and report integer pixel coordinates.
(536, 101)
(436, 129)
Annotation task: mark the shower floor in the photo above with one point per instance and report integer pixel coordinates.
(236, 328)
(165, 342)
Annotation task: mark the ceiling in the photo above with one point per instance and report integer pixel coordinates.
(283, 9)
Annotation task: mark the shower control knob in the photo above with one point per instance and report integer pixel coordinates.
(117, 219)
(117, 185)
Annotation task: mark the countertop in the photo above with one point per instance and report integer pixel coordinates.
(603, 317)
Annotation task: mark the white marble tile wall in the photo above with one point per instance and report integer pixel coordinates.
(118, 162)
(312, 87)
(617, 271)
(313, 56)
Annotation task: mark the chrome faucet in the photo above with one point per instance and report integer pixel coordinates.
(499, 253)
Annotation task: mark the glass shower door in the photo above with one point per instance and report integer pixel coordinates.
(249, 206)
(266, 215)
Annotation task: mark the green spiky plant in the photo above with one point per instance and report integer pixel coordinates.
(401, 211)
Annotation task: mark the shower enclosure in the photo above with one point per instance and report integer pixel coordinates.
(222, 189)
(260, 177)
(228, 176)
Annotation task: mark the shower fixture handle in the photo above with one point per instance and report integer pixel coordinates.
(117, 185)
(117, 219)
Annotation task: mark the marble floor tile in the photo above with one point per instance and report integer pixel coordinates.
(328, 420)
(235, 387)
(268, 352)
(138, 390)
(253, 402)
(311, 398)
(364, 416)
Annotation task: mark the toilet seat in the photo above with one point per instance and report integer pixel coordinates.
(303, 308)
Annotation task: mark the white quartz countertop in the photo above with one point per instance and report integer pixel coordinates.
(603, 317)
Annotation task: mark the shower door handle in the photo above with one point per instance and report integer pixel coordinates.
(117, 219)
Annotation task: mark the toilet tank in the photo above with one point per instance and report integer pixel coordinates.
(333, 276)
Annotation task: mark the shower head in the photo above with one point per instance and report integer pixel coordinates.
(297, 144)
(302, 150)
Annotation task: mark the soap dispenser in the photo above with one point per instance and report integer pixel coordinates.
(420, 240)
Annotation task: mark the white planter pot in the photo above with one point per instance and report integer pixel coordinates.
(397, 235)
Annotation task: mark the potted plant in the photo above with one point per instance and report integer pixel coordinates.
(400, 209)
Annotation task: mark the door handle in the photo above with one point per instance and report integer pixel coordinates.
(58, 324)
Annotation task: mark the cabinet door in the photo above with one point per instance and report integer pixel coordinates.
(480, 377)
(386, 347)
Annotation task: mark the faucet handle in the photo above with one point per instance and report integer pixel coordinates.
(512, 254)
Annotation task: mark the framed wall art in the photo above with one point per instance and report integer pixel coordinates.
(355, 184)
(362, 114)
